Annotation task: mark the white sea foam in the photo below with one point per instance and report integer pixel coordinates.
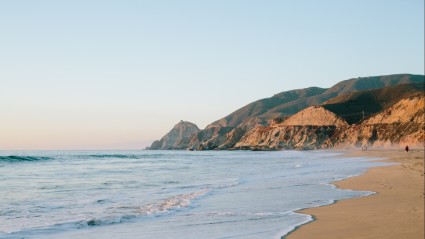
(172, 203)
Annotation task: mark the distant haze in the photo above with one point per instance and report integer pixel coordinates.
(119, 74)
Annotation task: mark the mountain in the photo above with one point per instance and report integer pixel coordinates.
(348, 102)
(373, 82)
(256, 112)
(402, 123)
(178, 138)
(290, 102)
(341, 88)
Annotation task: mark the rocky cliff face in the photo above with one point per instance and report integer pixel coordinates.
(221, 138)
(407, 110)
(287, 137)
(210, 138)
(403, 123)
(402, 133)
(178, 138)
(315, 116)
(311, 128)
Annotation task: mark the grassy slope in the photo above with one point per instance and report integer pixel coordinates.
(351, 105)
(291, 102)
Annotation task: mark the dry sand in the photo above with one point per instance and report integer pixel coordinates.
(395, 211)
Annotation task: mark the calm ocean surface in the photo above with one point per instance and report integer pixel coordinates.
(166, 194)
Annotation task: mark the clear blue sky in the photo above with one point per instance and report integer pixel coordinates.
(99, 74)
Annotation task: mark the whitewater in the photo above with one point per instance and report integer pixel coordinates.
(167, 194)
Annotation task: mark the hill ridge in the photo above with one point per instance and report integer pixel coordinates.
(262, 114)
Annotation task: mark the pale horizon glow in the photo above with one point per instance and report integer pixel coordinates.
(120, 74)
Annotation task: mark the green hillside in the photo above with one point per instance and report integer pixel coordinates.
(355, 105)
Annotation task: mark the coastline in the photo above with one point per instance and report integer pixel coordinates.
(396, 210)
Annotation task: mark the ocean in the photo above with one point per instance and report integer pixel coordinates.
(167, 194)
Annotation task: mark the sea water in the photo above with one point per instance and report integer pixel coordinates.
(167, 194)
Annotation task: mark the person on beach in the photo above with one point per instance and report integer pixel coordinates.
(407, 148)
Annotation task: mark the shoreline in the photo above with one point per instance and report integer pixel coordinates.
(394, 210)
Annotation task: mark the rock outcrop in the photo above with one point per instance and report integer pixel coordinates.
(210, 138)
(311, 128)
(287, 137)
(178, 138)
(315, 116)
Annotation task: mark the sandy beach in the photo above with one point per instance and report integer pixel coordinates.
(395, 211)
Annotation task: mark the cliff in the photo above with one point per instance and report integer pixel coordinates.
(287, 137)
(402, 123)
(407, 110)
(178, 138)
(224, 132)
(311, 128)
(357, 111)
(315, 116)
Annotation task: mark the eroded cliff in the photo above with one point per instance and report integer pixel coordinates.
(403, 123)
(178, 138)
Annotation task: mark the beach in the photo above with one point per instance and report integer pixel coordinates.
(395, 211)
(209, 194)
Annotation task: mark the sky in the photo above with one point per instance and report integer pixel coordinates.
(102, 74)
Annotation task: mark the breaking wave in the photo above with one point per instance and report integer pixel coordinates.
(27, 158)
(124, 214)
(172, 203)
(120, 156)
(15, 158)
(165, 206)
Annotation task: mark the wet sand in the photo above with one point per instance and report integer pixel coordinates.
(396, 211)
